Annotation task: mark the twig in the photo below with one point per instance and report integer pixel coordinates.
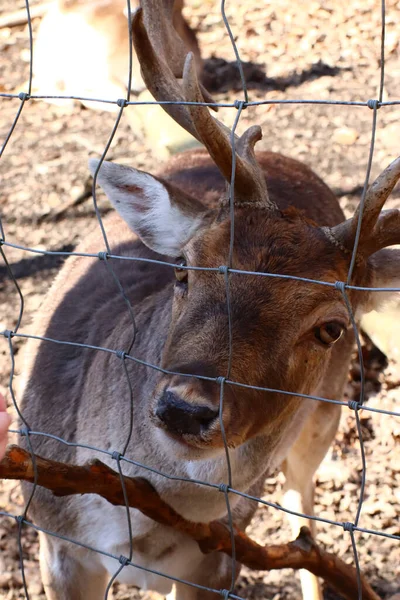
(96, 478)
(20, 17)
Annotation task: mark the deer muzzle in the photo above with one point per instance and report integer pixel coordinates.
(183, 418)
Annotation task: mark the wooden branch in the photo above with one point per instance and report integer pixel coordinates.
(96, 478)
(20, 17)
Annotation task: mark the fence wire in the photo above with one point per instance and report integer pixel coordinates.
(124, 355)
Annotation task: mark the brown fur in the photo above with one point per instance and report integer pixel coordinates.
(82, 395)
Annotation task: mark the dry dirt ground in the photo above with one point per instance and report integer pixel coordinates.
(310, 50)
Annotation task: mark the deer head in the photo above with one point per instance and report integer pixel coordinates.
(286, 334)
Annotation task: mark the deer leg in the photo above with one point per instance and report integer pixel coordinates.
(299, 468)
(214, 571)
(68, 576)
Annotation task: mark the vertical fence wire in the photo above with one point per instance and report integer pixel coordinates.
(125, 356)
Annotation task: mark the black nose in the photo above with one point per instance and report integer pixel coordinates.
(181, 417)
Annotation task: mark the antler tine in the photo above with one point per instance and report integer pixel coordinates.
(377, 194)
(375, 233)
(245, 144)
(250, 183)
(386, 233)
(245, 148)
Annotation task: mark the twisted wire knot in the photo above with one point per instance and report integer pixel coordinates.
(102, 255)
(8, 333)
(225, 594)
(372, 104)
(220, 380)
(240, 104)
(341, 286)
(116, 455)
(224, 488)
(23, 96)
(348, 526)
(354, 405)
(123, 560)
(120, 354)
(25, 431)
(20, 519)
(223, 269)
(122, 102)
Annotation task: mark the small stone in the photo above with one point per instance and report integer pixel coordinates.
(53, 199)
(345, 136)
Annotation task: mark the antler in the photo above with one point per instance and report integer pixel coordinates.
(378, 229)
(159, 72)
(158, 22)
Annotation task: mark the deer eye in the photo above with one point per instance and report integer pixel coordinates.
(181, 274)
(329, 333)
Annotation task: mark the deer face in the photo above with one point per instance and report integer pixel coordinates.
(283, 331)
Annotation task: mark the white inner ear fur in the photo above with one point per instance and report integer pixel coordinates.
(145, 205)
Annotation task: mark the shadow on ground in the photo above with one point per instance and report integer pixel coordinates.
(222, 76)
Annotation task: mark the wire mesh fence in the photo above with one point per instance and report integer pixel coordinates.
(105, 254)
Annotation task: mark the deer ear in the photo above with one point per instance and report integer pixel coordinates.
(386, 274)
(164, 217)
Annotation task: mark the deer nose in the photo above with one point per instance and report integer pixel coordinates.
(181, 417)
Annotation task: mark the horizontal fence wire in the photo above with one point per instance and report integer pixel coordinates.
(227, 272)
(365, 103)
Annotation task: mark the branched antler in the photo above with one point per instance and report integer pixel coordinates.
(96, 478)
(161, 64)
(379, 229)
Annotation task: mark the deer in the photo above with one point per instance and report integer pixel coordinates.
(281, 339)
(97, 63)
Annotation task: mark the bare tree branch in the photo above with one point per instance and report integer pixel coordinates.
(20, 17)
(96, 478)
